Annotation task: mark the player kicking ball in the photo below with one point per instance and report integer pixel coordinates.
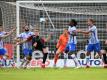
(61, 45)
(94, 43)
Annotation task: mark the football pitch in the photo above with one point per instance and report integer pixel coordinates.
(54, 74)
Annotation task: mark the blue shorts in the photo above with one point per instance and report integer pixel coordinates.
(94, 47)
(27, 52)
(2, 51)
(71, 47)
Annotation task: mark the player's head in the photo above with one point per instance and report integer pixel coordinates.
(65, 32)
(26, 28)
(90, 22)
(1, 28)
(73, 22)
(37, 31)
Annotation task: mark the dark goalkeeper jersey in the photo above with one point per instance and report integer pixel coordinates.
(40, 42)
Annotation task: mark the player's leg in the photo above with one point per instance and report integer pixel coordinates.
(58, 52)
(45, 54)
(65, 59)
(104, 54)
(25, 53)
(28, 57)
(74, 57)
(101, 53)
(90, 48)
(66, 56)
(3, 56)
(27, 61)
(72, 52)
(97, 49)
(88, 59)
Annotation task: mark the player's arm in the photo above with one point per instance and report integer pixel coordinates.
(34, 41)
(72, 31)
(87, 32)
(25, 40)
(9, 33)
(22, 41)
(48, 38)
(84, 32)
(18, 38)
(35, 44)
(59, 42)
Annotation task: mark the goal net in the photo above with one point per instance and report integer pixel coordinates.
(54, 16)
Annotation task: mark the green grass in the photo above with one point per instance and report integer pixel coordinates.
(53, 74)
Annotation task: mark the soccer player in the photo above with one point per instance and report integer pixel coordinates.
(71, 46)
(38, 44)
(104, 53)
(61, 45)
(2, 49)
(94, 43)
(26, 47)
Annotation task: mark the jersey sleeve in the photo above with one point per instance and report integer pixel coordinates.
(5, 32)
(92, 29)
(20, 36)
(1, 36)
(71, 30)
(31, 33)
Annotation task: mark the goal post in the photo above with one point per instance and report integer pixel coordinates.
(17, 33)
(59, 13)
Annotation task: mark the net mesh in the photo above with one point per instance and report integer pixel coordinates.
(61, 14)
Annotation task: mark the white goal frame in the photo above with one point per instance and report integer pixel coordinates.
(40, 2)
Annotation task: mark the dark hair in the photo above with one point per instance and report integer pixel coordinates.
(74, 22)
(0, 24)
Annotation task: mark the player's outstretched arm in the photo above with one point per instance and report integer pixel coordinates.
(8, 34)
(18, 41)
(48, 38)
(26, 40)
(81, 31)
(22, 41)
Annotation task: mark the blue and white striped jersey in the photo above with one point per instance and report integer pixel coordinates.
(72, 39)
(93, 38)
(24, 36)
